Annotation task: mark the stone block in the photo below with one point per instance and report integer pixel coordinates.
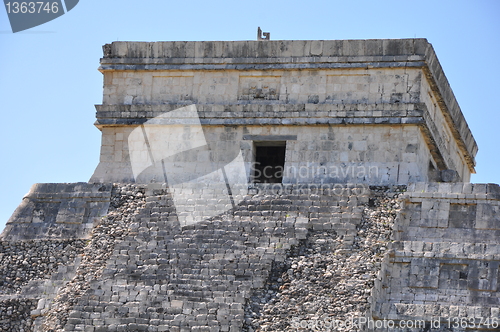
(487, 216)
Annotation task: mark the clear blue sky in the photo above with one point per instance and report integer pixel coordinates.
(49, 81)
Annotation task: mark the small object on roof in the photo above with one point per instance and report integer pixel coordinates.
(263, 35)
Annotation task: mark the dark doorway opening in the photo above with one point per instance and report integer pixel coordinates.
(269, 162)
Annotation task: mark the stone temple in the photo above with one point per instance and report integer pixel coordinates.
(264, 185)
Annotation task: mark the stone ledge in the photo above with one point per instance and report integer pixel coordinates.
(255, 109)
(274, 121)
(404, 256)
(349, 63)
(289, 114)
(461, 190)
(263, 49)
(78, 188)
(279, 108)
(263, 60)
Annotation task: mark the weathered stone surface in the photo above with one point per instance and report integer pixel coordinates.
(449, 175)
(393, 91)
(327, 250)
(322, 281)
(190, 243)
(58, 211)
(444, 261)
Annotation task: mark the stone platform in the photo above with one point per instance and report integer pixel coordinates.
(138, 269)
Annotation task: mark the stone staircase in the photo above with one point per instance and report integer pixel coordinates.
(198, 278)
(137, 269)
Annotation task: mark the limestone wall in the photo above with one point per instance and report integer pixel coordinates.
(292, 86)
(289, 83)
(300, 55)
(444, 263)
(319, 154)
(446, 146)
